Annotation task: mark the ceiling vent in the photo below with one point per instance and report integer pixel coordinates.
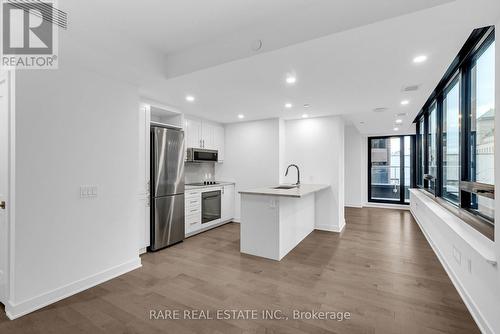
(380, 109)
(410, 88)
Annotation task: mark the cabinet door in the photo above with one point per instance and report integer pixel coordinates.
(207, 136)
(227, 202)
(193, 133)
(219, 141)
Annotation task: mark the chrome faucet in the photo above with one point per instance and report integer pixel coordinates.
(298, 173)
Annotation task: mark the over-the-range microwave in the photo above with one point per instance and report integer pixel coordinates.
(201, 155)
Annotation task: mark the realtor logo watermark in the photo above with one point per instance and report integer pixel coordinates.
(29, 38)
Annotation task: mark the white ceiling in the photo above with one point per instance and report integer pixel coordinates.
(346, 72)
(176, 25)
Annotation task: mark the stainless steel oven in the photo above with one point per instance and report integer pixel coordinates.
(210, 206)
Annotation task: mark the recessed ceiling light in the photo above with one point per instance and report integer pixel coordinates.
(190, 98)
(396, 129)
(305, 115)
(399, 121)
(419, 59)
(307, 105)
(288, 105)
(241, 116)
(291, 79)
(405, 102)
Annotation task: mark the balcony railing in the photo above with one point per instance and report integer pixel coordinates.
(386, 180)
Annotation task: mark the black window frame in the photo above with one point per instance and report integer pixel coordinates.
(401, 168)
(419, 172)
(460, 69)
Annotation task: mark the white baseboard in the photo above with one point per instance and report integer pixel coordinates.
(330, 228)
(209, 228)
(481, 322)
(14, 311)
(349, 205)
(386, 206)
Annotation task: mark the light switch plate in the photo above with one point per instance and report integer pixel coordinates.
(87, 191)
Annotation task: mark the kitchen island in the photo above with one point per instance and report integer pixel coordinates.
(276, 219)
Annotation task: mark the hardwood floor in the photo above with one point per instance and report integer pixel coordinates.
(380, 269)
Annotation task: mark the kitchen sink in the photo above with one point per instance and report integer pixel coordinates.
(285, 187)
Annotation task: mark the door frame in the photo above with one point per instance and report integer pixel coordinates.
(402, 167)
(8, 248)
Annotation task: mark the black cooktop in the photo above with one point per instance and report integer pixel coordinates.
(204, 183)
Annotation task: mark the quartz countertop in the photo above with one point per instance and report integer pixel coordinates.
(303, 190)
(220, 184)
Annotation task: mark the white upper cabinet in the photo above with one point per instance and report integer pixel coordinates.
(193, 131)
(219, 141)
(207, 135)
(204, 134)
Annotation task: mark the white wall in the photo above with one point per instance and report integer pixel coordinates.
(316, 145)
(74, 127)
(251, 156)
(355, 167)
(282, 150)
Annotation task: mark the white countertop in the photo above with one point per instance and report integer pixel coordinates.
(220, 184)
(303, 190)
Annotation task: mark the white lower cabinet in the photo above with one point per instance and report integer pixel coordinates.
(227, 202)
(193, 207)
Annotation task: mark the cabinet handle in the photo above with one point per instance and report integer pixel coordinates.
(194, 210)
(194, 201)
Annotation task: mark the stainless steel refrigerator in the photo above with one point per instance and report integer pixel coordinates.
(167, 187)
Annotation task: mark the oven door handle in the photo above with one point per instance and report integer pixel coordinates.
(212, 196)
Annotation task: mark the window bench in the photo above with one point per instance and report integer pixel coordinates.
(468, 257)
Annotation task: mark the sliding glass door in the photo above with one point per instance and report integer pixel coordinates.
(390, 164)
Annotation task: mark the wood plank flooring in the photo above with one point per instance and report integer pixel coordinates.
(380, 269)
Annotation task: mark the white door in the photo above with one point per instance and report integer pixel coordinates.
(4, 163)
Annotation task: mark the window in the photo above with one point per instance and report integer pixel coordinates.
(407, 156)
(451, 143)
(456, 133)
(482, 127)
(420, 153)
(390, 173)
(432, 149)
